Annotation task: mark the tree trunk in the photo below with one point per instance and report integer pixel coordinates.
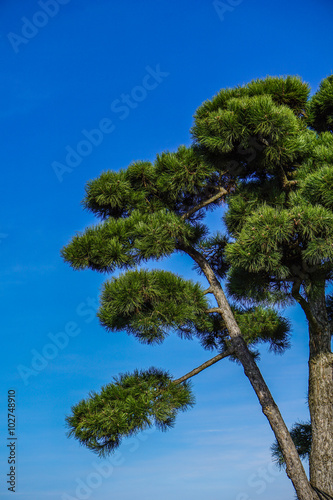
(321, 394)
(294, 467)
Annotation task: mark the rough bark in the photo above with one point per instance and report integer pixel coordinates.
(320, 393)
(294, 467)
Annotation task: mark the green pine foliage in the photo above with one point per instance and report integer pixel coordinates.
(274, 126)
(290, 91)
(181, 178)
(301, 434)
(321, 107)
(261, 121)
(213, 249)
(176, 181)
(151, 304)
(264, 241)
(248, 288)
(126, 242)
(259, 324)
(132, 403)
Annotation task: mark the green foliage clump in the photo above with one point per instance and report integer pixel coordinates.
(213, 249)
(301, 434)
(263, 243)
(150, 304)
(117, 194)
(320, 107)
(132, 403)
(181, 176)
(176, 181)
(276, 127)
(252, 288)
(259, 324)
(289, 91)
(126, 242)
(256, 129)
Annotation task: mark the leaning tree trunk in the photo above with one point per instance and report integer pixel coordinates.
(294, 467)
(320, 394)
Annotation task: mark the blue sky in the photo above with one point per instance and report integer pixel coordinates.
(136, 71)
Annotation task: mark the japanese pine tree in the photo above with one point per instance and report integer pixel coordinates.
(264, 149)
(280, 220)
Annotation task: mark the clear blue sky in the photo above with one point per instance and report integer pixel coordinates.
(138, 70)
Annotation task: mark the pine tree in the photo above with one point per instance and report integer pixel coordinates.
(281, 220)
(257, 148)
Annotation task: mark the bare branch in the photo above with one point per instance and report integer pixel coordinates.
(202, 367)
(286, 184)
(222, 192)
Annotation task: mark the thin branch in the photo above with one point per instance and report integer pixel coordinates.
(202, 367)
(209, 290)
(214, 310)
(222, 192)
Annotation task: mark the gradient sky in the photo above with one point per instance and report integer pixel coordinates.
(137, 70)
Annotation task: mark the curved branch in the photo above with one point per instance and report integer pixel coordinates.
(202, 367)
(304, 304)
